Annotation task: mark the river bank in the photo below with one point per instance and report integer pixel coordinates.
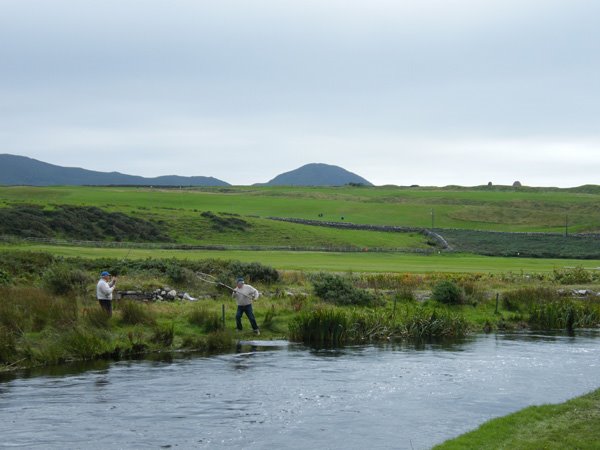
(48, 314)
(572, 424)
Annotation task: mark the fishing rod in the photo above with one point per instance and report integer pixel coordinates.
(207, 278)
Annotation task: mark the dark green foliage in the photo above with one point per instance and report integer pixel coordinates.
(340, 291)
(63, 280)
(210, 321)
(448, 292)
(179, 275)
(77, 222)
(575, 275)
(221, 223)
(25, 264)
(134, 313)
(253, 272)
(5, 278)
(182, 271)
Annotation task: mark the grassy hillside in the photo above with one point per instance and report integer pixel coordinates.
(476, 208)
(238, 216)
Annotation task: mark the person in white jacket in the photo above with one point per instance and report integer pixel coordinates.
(244, 295)
(104, 291)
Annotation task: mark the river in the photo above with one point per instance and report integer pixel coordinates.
(294, 397)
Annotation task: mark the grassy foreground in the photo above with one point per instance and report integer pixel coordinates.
(574, 424)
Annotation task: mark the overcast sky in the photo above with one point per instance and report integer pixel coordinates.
(428, 92)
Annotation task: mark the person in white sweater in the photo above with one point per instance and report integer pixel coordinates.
(244, 295)
(104, 291)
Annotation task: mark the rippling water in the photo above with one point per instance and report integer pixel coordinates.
(401, 397)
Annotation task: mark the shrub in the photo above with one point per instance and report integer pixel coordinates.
(573, 275)
(5, 278)
(134, 313)
(253, 271)
(339, 291)
(64, 280)
(448, 292)
(25, 264)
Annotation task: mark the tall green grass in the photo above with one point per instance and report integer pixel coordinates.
(328, 326)
(324, 326)
(135, 313)
(564, 314)
(25, 308)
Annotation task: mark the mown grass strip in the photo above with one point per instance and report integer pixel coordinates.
(574, 424)
(336, 262)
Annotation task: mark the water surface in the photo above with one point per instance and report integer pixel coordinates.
(401, 397)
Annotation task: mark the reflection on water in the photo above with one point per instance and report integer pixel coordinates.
(396, 395)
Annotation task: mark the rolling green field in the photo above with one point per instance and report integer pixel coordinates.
(482, 208)
(240, 217)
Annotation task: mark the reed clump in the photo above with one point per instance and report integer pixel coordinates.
(164, 334)
(134, 313)
(423, 322)
(329, 326)
(564, 314)
(324, 326)
(209, 320)
(524, 298)
(86, 343)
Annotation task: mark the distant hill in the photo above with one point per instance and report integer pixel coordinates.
(21, 170)
(317, 175)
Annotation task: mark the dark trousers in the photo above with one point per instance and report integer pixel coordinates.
(241, 309)
(106, 306)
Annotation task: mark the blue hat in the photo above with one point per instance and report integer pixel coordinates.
(240, 280)
(105, 274)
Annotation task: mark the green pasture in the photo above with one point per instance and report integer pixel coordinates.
(499, 209)
(334, 261)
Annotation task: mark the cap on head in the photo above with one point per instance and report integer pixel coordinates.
(105, 274)
(240, 280)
